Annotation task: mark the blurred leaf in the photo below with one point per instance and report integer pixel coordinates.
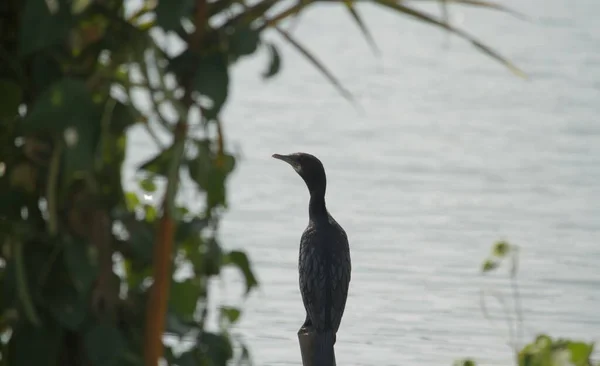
(122, 117)
(11, 98)
(184, 297)
(361, 24)
(194, 249)
(215, 348)
(345, 93)
(403, 9)
(132, 200)
(501, 248)
(179, 327)
(489, 265)
(465, 363)
(230, 313)
(192, 227)
(580, 352)
(240, 260)
(160, 163)
(68, 307)
(81, 263)
(187, 358)
(43, 24)
(104, 345)
(141, 240)
(67, 109)
(212, 81)
(148, 185)
(66, 103)
(45, 71)
(150, 213)
(170, 12)
(274, 62)
(31, 345)
(210, 172)
(213, 258)
(244, 41)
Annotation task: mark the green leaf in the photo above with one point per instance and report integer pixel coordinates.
(150, 213)
(141, 240)
(466, 362)
(170, 12)
(213, 258)
(11, 98)
(68, 306)
(580, 352)
(489, 265)
(194, 249)
(43, 24)
(230, 313)
(148, 185)
(190, 228)
(160, 163)
(187, 358)
(104, 345)
(501, 248)
(210, 173)
(123, 116)
(31, 345)
(212, 81)
(240, 260)
(274, 62)
(81, 262)
(178, 326)
(66, 109)
(131, 200)
(243, 41)
(67, 102)
(184, 297)
(215, 348)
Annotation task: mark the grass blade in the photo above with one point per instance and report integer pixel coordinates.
(370, 40)
(345, 93)
(477, 44)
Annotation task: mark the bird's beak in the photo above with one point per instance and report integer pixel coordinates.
(287, 158)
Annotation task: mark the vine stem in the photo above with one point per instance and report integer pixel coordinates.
(163, 249)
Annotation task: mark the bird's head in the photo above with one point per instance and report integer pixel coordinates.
(309, 168)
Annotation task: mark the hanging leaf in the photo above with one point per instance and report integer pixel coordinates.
(274, 62)
(212, 81)
(240, 260)
(243, 41)
(184, 297)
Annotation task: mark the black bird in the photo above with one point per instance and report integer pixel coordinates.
(324, 263)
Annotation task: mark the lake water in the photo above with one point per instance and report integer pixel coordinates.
(447, 153)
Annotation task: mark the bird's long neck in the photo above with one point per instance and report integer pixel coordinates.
(316, 205)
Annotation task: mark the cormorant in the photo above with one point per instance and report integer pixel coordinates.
(324, 262)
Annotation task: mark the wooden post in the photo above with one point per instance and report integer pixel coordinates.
(306, 338)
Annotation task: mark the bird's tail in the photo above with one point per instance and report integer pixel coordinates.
(324, 354)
